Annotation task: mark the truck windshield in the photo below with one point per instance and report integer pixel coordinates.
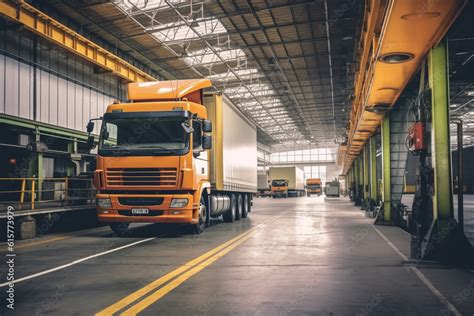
(143, 136)
(278, 183)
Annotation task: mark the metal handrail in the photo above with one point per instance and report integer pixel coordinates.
(36, 190)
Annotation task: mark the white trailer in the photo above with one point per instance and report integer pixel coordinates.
(294, 176)
(233, 157)
(263, 185)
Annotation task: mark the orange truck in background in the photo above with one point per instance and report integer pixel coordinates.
(286, 181)
(313, 186)
(174, 155)
(279, 187)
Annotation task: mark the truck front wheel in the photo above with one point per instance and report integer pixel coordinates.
(120, 229)
(229, 215)
(199, 227)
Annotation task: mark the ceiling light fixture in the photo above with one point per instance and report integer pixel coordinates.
(420, 15)
(396, 58)
(378, 108)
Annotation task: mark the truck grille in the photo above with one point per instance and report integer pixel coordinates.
(161, 177)
(140, 201)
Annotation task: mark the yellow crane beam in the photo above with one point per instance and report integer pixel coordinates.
(396, 36)
(43, 25)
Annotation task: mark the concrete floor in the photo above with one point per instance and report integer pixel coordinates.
(305, 256)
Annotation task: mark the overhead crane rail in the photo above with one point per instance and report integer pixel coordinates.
(43, 25)
(388, 47)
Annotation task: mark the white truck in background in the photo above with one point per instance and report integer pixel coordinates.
(263, 184)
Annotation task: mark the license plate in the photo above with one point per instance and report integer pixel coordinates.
(140, 211)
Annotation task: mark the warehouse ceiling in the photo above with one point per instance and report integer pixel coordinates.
(461, 72)
(286, 64)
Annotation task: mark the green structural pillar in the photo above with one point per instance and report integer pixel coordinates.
(356, 181)
(361, 178)
(386, 194)
(39, 168)
(352, 175)
(373, 169)
(366, 162)
(348, 180)
(357, 173)
(441, 151)
(71, 147)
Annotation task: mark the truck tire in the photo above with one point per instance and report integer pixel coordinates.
(240, 203)
(245, 206)
(308, 194)
(198, 228)
(120, 229)
(229, 215)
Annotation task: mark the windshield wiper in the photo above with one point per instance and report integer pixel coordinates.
(161, 149)
(119, 150)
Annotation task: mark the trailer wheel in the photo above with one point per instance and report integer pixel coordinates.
(120, 229)
(245, 206)
(238, 213)
(199, 227)
(250, 203)
(229, 215)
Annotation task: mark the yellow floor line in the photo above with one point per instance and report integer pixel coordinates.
(153, 298)
(157, 283)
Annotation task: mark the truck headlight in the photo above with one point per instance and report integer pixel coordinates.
(179, 202)
(104, 203)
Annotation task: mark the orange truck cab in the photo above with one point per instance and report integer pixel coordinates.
(279, 188)
(313, 186)
(153, 160)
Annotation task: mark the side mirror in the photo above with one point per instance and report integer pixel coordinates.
(206, 142)
(90, 127)
(187, 128)
(90, 142)
(207, 126)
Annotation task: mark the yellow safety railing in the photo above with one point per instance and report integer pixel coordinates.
(46, 191)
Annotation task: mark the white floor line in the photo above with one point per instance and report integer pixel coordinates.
(422, 277)
(404, 231)
(74, 262)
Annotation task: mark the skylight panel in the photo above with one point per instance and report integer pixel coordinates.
(207, 56)
(243, 74)
(144, 4)
(176, 31)
(260, 93)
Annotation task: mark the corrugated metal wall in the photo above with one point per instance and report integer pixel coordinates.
(68, 92)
